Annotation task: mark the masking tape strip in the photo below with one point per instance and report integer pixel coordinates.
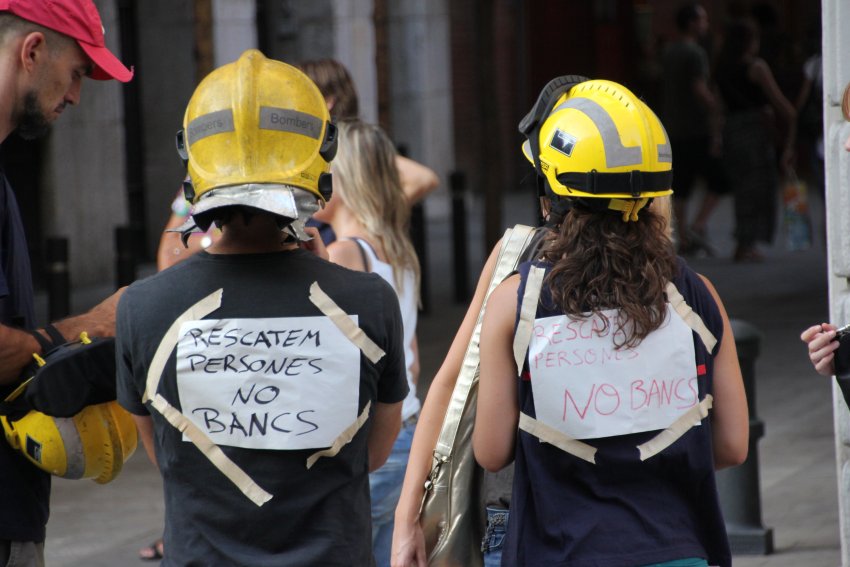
(216, 456)
(344, 438)
(212, 452)
(679, 427)
(688, 315)
(196, 312)
(345, 324)
(522, 337)
(557, 438)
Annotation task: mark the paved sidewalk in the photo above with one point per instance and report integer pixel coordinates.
(93, 525)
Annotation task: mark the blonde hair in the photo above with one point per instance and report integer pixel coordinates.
(370, 188)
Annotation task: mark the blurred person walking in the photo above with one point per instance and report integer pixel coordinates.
(756, 108)
(692, 115)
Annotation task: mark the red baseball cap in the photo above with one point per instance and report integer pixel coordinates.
(78, 19)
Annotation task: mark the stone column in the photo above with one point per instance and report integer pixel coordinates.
(836, 46)
(85, 196)
(420, 88)
(354, 47)
(234, 29)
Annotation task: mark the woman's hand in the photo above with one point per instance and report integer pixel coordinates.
(315, 244)
(408, 545)
(822, 347)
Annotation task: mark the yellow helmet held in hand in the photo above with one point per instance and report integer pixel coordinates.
(254, 130)
(75, 380)
(594, 139)
(94, 444)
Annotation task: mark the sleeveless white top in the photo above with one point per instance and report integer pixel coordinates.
(409, 313)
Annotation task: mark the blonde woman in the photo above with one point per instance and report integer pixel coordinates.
(369, 214)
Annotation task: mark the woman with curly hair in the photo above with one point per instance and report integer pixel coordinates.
(602, 361)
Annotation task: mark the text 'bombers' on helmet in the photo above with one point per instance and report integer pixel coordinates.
(601, 141)
(257, 122)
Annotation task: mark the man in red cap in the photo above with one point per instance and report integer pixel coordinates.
(46, 48)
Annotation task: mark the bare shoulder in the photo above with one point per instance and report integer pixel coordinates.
(503, 300)
(346, 253)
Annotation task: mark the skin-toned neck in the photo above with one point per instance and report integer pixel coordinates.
(260, 235)
(345, 225)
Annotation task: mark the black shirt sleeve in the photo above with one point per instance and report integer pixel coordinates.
(130, 380)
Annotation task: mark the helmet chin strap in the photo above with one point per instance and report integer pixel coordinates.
(629, 207)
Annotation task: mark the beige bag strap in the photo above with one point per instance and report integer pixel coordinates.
(514, 241)
(527, 313)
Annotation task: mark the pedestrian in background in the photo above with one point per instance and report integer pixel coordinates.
(755, 109)
(693, 117)
(809, 106)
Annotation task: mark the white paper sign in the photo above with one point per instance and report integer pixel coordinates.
(284, 383)
(587, 389)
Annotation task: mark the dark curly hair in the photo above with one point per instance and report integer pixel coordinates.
(600, 262)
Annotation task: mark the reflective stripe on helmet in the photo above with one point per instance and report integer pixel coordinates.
(616, 154)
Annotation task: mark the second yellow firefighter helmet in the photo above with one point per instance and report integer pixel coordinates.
(594, 139)
(253, 124)
(94, 444)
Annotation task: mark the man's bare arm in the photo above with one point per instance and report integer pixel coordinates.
(17, 346)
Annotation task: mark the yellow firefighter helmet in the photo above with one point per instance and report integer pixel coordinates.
(94, 444)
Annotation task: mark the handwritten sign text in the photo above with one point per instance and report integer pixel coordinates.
(282, 383)
(586, 387)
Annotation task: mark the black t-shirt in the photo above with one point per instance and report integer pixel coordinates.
(317, 516)
(24, 489)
